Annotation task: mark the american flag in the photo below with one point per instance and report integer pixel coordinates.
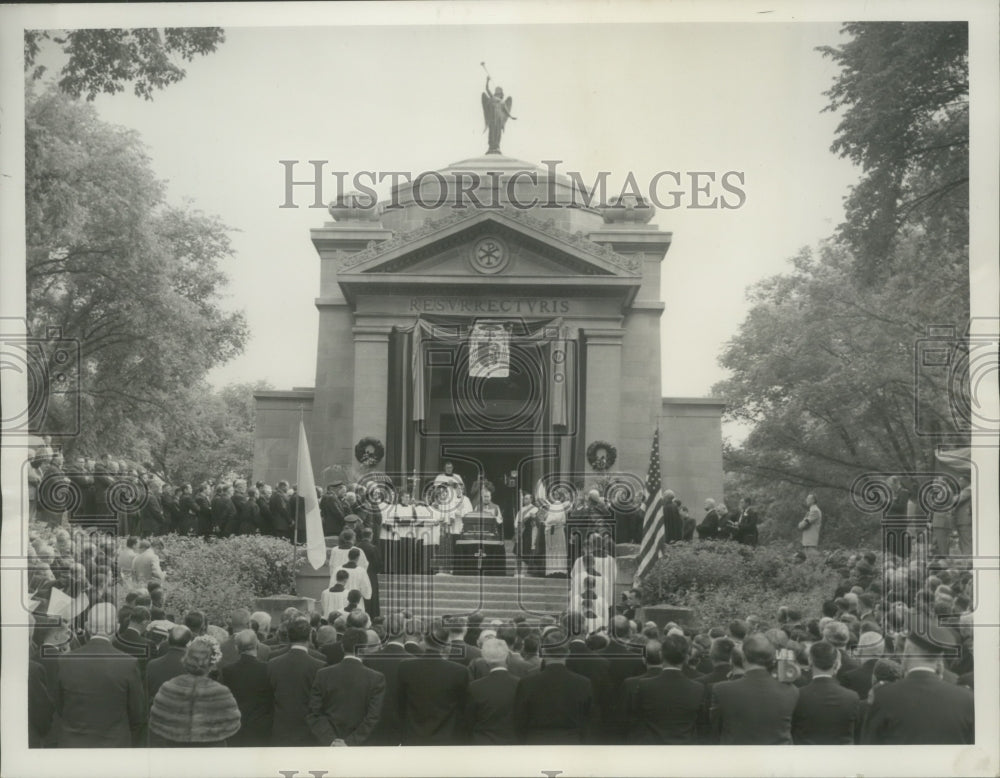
(652, 509)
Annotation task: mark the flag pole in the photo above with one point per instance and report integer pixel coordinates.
(295, 512)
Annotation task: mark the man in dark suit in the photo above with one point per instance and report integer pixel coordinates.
(203, 508)
(291, 677)
(755, 709)
(247, 678)
(224, 511)
(163, 668)
(871, 646)
(746, 525)
(666, 708)
(346, 698)
(459, 650)
(922, 709)
(187, 512)
(389, 729)
(652, 654)
(624, 657)
(333, 510)
(99, 695)
(597, 668)
(673, 525)
(239, 621)
(432, 695)
(374, 557)
(278, 506)
(490, 710)
(826, 713)
(554, 706)
(329, 645)
(708, 529)
(133, 641)
(720, 654)
(284, 648)
(264, 504)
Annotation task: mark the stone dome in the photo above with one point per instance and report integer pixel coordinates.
(490, 181)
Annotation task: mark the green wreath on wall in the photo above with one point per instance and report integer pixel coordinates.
(369, 451)
(601, 455)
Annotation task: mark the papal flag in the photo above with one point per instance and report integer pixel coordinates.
(652, 510)
(315, 542)
(489, 351)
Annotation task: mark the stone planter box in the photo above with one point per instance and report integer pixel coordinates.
(276, 604)
(311, 583)
(663, 614)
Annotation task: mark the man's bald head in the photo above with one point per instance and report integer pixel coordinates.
(245, 641)
(358, 620)
(758, 650)
(495, 652)
(179, 636)
(621, 628)
(326, 635)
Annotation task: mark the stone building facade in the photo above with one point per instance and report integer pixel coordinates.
(573, 292)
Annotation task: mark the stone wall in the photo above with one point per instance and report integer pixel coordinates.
(691, 450)
(275, 446)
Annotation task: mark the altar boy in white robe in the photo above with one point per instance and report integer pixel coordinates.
(340, 555)
(357, 576)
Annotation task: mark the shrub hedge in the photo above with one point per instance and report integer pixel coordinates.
(222, 574)
(722, 581)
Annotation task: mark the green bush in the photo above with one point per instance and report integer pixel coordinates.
(721, 581)
(222, 574)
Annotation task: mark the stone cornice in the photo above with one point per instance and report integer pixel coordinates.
(577, 242)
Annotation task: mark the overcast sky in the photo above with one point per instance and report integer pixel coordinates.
(620, 98)
(614, 97)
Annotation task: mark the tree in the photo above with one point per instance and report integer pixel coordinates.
(823, 370)
(135, 281)
(824, 367)
(904, 92)
(209, 433)
(106, 60)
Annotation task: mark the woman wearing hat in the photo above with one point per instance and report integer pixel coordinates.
(191, 710)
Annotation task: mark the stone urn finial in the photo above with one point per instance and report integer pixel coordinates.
(629, 209)
(355, 207)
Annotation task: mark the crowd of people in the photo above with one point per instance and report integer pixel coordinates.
(84, 490)
(887, 659)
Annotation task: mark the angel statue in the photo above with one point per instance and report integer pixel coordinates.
(496, 112)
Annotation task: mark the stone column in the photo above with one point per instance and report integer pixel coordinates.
(603, 388)
(371, 381)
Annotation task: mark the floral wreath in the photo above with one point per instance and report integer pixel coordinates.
(605, 463)
(369, 451)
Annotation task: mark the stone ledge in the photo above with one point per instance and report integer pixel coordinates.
(662, 614)
(276, 605)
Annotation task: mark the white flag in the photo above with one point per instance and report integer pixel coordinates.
(315, 543)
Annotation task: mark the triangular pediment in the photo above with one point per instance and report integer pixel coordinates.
(486, 243)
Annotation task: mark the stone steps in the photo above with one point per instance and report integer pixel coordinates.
(491, 596)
